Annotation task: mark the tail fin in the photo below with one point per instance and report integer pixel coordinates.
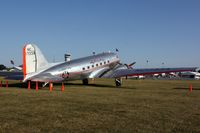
(33, 59)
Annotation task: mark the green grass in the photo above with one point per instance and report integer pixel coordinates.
(137, 106)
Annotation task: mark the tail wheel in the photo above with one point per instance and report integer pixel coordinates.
(85, 81)
(118, 82)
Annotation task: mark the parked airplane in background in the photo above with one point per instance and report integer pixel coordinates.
(18, 68)
(104, 65)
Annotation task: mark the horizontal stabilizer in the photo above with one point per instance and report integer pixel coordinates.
(12, 75)
(46, 77)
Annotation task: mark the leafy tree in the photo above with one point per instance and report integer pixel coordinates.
(2, 67)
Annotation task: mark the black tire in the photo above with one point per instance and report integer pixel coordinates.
(85, 81)
(118, 82)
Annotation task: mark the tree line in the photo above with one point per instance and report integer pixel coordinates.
(2, 67)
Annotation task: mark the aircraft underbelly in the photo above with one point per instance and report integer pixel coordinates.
(76, 76)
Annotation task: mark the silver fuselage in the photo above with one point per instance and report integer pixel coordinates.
(88, 67)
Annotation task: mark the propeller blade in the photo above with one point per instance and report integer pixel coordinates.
(132, 64)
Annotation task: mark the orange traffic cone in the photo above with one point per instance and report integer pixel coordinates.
(63, 87)
(6, 84)
(36, 86)
(29, 85)
(190, 88)
(50, 86)
(0, 83)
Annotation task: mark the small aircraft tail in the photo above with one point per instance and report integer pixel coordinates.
(33, 59)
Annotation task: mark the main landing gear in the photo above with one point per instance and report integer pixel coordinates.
(85, 81)
(118, 82)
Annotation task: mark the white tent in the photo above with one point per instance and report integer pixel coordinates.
(192, 75)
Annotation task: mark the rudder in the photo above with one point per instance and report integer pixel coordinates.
(33, 59)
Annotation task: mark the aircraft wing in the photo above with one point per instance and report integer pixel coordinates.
(135, 72)
(12, 75)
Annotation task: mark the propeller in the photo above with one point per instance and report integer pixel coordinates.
(126, 66)
(129, 66)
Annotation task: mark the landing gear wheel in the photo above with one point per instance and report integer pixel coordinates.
(85, 81)
(118, 82)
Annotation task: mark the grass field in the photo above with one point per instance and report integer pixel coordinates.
(137, 106)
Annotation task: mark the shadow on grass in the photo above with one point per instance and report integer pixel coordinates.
(14, 85)
(100, 85)
(185, 88)
(25, 85)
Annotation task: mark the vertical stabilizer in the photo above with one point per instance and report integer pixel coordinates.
(33, 59)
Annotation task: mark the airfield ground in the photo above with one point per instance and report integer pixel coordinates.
(137, 106)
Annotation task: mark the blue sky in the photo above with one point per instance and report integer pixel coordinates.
(156, 30)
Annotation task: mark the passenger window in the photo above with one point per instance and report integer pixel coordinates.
(83, 68)
(104, 62)
(88, 67)
(92, 65)
(100, 63)
(97, 65)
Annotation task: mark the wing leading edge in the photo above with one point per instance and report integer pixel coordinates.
(136, 72)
